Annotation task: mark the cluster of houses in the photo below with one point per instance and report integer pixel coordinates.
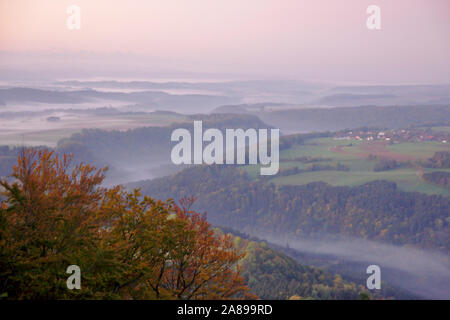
(394, 136)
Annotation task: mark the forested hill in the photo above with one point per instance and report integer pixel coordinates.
(321, 119)
(138, 148)
(271, 274)
(375, 211)
(147, 144)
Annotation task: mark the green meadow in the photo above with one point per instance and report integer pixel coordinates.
(419, 150)
(360, 168)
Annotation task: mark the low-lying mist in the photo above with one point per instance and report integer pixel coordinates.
(421, 272)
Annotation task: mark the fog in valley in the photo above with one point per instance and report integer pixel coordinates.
(423, 273)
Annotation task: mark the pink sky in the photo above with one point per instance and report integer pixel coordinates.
(320, 39)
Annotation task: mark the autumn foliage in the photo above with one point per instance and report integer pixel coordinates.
(128, 246)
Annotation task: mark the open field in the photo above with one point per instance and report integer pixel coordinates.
(419, 150)
(353, 154)
(321, 147)
(406, 179)
(408, 151)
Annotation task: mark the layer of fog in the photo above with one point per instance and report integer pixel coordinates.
(424, 273)
(131, 175)
(12, 107)
(35, 128)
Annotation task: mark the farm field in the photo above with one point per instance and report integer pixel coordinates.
(419, 150)
(406, 179)
(353, 155)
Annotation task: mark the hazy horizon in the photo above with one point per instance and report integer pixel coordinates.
(320, 41)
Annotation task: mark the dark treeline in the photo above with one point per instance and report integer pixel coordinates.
(310, 168)
(441, 159)
(321, 119)
(384, 164)
(374, 211)
(145, 144)
(440, 178)
(158, 99)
